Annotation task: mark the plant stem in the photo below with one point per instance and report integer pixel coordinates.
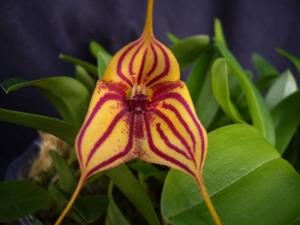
(207, 200)
(71, 201)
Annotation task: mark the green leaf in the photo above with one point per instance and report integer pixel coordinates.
(219, 33)
(206, 105)
(68, 96)
(102, 64)
(84, 77)
(263, 67)
(148, 170)
(21, 198)
(58, 128)
(286, 120)
(67, 180)
(260, 114)
(96, 47)
(92, 207)
(220, 87)
(188, 50)
(86, 65)
(284, 86)
(132, 189)
(114, 215)
(295, 60)
(173, 38)
(247, 181)
(87, 209)
(199, 72)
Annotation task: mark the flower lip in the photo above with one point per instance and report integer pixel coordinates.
(138, 101)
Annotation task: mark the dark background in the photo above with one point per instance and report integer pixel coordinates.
(34, 32)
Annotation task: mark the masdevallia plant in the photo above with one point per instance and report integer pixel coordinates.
(138, 111)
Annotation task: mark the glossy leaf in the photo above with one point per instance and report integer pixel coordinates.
(96, 47)
(188, 50)
(221, 89)
(173, 38)
(295, 60)
(57, 127)
(260, 114)
(219, 33)
(133, 190)
(114, 215)
(67, 180)
(286, 120)
(21, 198)
(284, 86)
(263, 67)
(241, 181)
(84, 77)
(86, 65)
(69, 96)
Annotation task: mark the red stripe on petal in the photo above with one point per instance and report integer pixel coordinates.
(166, 69)
(119, 155)
(99, 104)
(173, 129)
(168, 143)
(133, 58)
(159, 153)
(183, 102)
(182, 121)
(120, 62)
(142, 67)
(106, 133)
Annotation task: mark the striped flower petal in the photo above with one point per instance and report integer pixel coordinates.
(173, 134)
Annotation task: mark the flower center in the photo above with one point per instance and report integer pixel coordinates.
(138, 101)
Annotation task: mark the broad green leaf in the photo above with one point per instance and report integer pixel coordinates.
(260, 114)
(188, 50)
(84, 77)
(86, 65)
(295, 60)
(21, 198)
(173, 38)
(114, 215)
(102, 64)
(96, 47)
(57, 127)
(247, 181)
(286, 120)
(284, 86)
(132, 189)
(199, 72)
(67, 180)
(263, 67)
(221, 89)
(68, 96)
(219, 33)
(87, 209)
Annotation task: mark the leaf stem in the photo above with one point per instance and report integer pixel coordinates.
(207, 200)
(71, 201)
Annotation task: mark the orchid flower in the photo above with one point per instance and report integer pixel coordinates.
(141, 109)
